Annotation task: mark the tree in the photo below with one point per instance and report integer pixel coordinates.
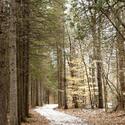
(13, 65)
(3, 63)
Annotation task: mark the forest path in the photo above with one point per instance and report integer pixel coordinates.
(58, 118)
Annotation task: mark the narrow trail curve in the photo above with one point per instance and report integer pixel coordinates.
(58, 118)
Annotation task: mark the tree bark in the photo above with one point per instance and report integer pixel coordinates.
(96, 34)
(3, 66)
(13, 66)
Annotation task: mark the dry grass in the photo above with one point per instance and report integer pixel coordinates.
(98, 117)
(35, 119)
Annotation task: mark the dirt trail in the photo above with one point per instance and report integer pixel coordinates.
(58, 118)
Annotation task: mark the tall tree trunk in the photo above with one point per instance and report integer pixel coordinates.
(19, 61)
(58, 7)
(13, 66)
(60, 75)
(97, 56)
(121, 66)
(120, 53)
(3, 66)
(65, 82)
(26, 53)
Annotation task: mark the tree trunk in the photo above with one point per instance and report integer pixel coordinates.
(60, 75)
(3, 66)
(13, 66)
(64, 79)
(121, 66)
(97, 56)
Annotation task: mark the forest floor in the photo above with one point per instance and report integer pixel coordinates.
(97, 117)
(50, 115)
(36, 119)
(58, 118)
